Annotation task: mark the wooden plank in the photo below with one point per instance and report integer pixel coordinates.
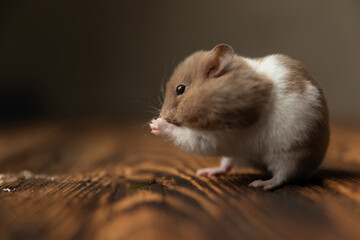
(108, 180)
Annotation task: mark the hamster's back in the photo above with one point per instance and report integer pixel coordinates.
(296, 119)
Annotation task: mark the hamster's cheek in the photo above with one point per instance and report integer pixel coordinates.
(173, 112)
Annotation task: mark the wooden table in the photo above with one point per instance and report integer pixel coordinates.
(103, 179)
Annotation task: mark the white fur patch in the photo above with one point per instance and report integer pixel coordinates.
(199, 142)
(272, 68)
(291, 114)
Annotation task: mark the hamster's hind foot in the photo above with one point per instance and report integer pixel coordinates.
(270, 184)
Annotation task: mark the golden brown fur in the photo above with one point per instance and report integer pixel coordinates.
(232, 100)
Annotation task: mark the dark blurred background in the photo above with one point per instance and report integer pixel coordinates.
(109, 58)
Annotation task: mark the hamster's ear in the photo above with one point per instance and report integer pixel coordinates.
(220, 57)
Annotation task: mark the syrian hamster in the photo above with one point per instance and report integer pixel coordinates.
(269, 113)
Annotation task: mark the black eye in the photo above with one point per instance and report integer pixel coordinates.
(180, 89)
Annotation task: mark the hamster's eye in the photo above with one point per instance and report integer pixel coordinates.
(180, 89)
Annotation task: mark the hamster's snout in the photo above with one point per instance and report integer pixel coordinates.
(168, 114)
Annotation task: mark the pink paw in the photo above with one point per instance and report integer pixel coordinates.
(208, 172)
(160, 126)
(266, 185)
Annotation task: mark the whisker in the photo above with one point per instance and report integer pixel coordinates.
(149, 105)
(149, 100)
(154, 107)
(145, 125)
(159, 99)
(151, 112)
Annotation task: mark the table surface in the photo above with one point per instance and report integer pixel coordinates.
(107, 179)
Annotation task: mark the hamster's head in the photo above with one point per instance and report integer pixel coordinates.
(190, 74)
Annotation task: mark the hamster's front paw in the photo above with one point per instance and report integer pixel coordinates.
(160, 126)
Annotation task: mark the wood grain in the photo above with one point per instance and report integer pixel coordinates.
(102, 179)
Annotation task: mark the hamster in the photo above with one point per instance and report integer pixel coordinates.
(269, 113)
